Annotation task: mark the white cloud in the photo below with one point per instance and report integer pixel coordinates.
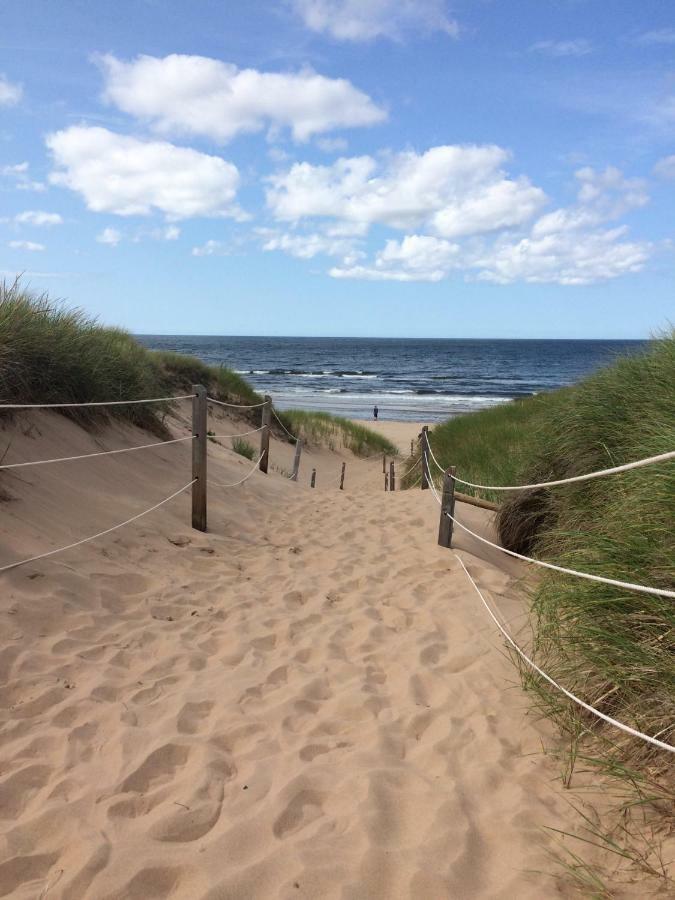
(19, 174)
(10, 93)
(602, 196)
(203, 96)
(127, 176)
(109, 236)
(576, 47)
(365, 20)
(665, 168)
(455, 190)
(659, 36)
(26, 245)
(38, 217)
(565, 258)
(307, 246)
(211, 248)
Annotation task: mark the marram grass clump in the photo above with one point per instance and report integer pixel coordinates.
(52, 354)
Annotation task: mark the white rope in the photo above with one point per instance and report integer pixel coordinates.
(430, 481)
(241, 434)
(241, 480)
(659, 592)
(596, 712)
(236, 405)
(292, 436)
(93, 537)
(434, 458)
(98, 403)
(662, 457)
(413, 466)
(44, 462)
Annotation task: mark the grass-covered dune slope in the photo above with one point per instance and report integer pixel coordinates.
(52, 354)
(613, 647)
(335, 432)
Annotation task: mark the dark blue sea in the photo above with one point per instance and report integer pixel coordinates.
(417, 380)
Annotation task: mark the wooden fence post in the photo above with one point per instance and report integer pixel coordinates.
(296, 460)
(342, 476)
(199, 457)
(384, 463)
(447, 507)
(386, 481)
(425, 457)
(313, 481)
(392, 477)
(265, 435)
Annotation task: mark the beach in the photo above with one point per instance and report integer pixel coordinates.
(306, 701)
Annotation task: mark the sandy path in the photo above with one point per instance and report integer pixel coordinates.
(305, 702)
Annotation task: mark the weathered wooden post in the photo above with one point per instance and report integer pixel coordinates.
(199, 457)
(392, 477)
(342, 476)
(312, 483)
(384, 463)
(425, 457)
(296, 460)
(447, 508)
(265, 435)
(386, 481)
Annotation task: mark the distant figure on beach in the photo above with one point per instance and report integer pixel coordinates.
(375, 412)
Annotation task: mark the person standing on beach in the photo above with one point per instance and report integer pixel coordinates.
(375, 412)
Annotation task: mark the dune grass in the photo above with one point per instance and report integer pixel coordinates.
(612, 647)
(52, 354)
(334, 432)
(243, 448)
(615, 648)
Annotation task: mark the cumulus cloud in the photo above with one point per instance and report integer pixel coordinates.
(109, 236)
(10, 93)
(127, 176)
(576, 47)
(38, 217)
(665, 168)
(563, 247)
(26, 245)
(564, 259)
(202, 96)
(454, 190)
(356, 20)
(561, 258)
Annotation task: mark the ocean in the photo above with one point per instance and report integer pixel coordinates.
(414, 380)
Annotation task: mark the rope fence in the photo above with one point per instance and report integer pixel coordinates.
(93, 537)
(448, 520)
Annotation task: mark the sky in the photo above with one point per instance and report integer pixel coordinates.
(422, 168)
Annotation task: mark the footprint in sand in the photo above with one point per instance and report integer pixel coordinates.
(192, 715)
(158, 766)
(304, 808)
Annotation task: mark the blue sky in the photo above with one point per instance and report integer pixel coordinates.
(479, 168)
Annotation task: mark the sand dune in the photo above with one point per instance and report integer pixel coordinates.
(304, 702)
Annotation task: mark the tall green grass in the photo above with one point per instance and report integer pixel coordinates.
(614, 647)
(489, 447)
(335, 432)
(52, 354)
